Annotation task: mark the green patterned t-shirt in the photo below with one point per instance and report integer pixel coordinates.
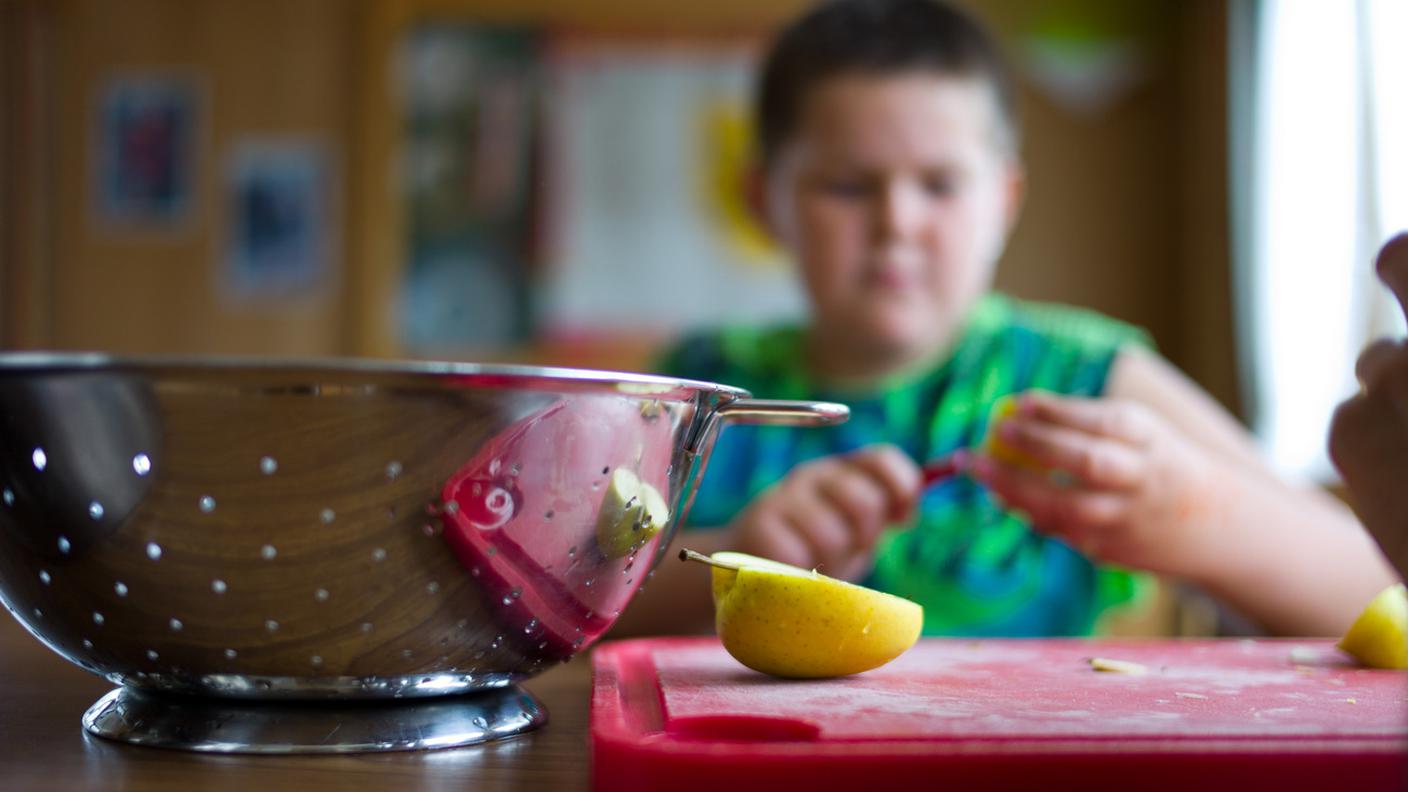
(977, 569)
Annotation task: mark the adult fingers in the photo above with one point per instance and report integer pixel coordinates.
(1392, 265)
(1367, 440)
(1376, 360)
(1369, 445)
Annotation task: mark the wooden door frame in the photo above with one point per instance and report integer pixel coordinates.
(27, 176)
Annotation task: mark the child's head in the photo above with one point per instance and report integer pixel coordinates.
(888, 137)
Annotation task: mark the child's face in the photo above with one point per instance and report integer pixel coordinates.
(895, 196)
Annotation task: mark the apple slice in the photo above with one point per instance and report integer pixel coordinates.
(791, 622)
(997, 448)
(1379, 637)
(632, 512)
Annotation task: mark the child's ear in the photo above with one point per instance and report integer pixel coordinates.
(755, 193)
(1015, 193)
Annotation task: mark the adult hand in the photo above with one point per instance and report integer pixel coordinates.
(1369, 432)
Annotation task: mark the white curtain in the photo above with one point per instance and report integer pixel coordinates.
(1320, 179)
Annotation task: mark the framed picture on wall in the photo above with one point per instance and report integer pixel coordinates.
(277, 234)
(146, 153)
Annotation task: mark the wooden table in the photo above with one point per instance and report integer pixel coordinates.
(43, 745)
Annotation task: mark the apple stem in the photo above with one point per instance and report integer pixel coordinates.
(689, 555)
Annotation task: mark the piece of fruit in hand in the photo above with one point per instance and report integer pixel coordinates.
(994, 446)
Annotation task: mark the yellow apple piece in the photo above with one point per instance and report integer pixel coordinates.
(994, 446)
(791, 622)
(632, 512)
(1379, 637)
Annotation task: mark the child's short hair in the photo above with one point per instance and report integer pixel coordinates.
(879, 37)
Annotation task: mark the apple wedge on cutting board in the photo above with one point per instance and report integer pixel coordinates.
(791, 622)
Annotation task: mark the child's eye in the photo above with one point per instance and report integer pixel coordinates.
(940, 186)
(845, 188)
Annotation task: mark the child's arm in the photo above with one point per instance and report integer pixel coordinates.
(1165, 480)
(1369, 435)
(825, 514)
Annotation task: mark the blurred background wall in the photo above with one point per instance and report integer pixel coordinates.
(293, 214)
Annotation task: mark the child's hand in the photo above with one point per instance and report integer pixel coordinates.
(1369, 434)
(826, 514)
(1120, 484)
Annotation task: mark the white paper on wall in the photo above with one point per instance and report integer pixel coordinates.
(647, 226)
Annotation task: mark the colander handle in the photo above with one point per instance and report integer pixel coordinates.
(743, 411)
(783, 413)
(774, 412)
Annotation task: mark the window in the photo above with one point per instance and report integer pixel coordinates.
(1320, 131)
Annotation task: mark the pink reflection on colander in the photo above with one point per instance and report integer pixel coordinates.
(521, 517)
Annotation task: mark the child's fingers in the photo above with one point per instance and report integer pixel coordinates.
(1093, 459)
(774, 537)
(893, 470)
(1052, 509)
(1119, 420)
(823, 530)
(861, 501)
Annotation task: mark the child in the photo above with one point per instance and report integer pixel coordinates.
(889, 169)
(1369, 436)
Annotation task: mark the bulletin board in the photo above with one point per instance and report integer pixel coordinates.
(379, 221)
(469, 115)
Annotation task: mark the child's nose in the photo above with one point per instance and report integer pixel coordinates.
(900, 211)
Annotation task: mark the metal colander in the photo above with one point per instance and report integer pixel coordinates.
(245, 532)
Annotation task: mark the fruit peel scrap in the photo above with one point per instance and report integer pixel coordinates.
(1112, 666)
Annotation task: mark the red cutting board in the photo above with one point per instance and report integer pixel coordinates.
(680, 714)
